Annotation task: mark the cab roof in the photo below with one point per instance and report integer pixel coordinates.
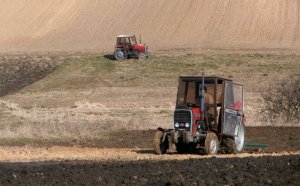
(206, 78)
(126, 35)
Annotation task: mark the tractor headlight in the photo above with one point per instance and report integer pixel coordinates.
(176, 124)
(187, 125)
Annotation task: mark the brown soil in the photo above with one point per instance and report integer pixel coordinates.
(266, 170)
(43, 26)
(127, 158)
(17, 72)
(278, 139)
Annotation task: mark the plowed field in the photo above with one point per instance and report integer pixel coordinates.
(279, 164)
(92, 25)
(69, 128)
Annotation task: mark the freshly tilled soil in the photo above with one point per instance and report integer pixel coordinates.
(266, 170)
(17, 72)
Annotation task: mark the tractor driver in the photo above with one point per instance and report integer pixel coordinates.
(209, 101)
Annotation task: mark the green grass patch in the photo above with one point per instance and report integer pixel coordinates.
(97, 71)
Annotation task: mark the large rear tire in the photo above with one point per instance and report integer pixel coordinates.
(239, 140)
(236, 144)
(211, 145)
(159, 146)
(119, 55)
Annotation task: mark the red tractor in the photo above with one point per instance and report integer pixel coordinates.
(128, 47)
(208, 118)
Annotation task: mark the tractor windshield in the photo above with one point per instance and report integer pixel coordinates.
(133, 40)
(233, 96)
(126, 40)
(186, 93)
(123, 40)
(233, 108)
(189, 92)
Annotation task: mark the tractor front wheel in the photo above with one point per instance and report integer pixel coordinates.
(160, 147)
(211, 145)
(141, 56)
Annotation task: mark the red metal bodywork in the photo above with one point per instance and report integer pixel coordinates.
(139, 48)
(196, 117)
(136, 48)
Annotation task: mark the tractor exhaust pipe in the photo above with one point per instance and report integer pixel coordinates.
(202, 97)
(140, 39)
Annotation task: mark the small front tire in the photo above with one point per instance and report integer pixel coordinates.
(141, 56)
(211, 145)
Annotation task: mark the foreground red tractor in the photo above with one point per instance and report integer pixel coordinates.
(128, 47)
(208, 118)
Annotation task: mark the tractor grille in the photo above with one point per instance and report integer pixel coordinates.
(182, 117)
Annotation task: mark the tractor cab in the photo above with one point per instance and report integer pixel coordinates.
(209, 115)
(126, 40)
(226, 98)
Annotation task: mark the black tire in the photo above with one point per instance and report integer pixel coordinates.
(234, 145)
(229, 146)
(240, 139)
(211, 144)
(159, 146)
(119, 55)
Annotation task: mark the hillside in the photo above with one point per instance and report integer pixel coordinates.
(92, 25)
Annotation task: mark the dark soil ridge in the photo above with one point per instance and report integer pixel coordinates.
(278, 139)
(17, 72)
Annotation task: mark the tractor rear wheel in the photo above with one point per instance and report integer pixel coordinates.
(159, 146)
(236, 144)
(211, 145)
(119, 55)
(239, 140)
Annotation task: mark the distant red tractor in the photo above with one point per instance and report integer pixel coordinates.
(127, 46)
